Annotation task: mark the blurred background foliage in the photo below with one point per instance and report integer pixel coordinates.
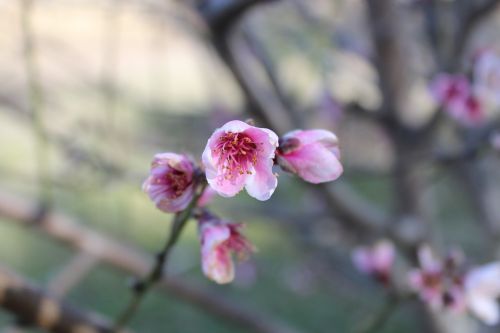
(122, 80)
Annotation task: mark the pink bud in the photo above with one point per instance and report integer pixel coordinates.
(238, 156)
(312, 154)
(376, 261)
(219, 240)
(170, 184)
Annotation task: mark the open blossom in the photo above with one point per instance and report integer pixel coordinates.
(455, 95)
(447, 88)
(482, 289)
(376, 261)
(219, 241)
(170, 184)
(239, 156)
(311, 154)
(439, 283)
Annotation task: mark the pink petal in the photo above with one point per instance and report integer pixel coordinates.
(262, 182)
(486, 309)
(362, 260)
(312, 136)
(216, 259)
(177, 204)
(427, 260)
(315, 163)
(383, 255)
(234, 126)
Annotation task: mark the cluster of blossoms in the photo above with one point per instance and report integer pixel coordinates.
(237, 155)
(470, 101)
(443, 284)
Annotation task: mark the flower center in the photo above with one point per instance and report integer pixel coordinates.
(177, 182)
(453, 91)
(432, 280)
(237, 153)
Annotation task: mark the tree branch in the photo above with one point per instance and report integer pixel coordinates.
(33, 306)
(134, 261)
(469, 23)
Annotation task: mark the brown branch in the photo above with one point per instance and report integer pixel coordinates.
(266, 61)
(136, 262)
(469, 23)
(383, 17)
(264, 106)
(35, 307)
(222, 16)
(72, 274)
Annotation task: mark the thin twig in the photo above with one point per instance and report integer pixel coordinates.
(378, 321)
(141, 288)
(34, 306)
(35, 97)
(129, 259)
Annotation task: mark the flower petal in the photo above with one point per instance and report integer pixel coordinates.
(262, 182)
(315, 163)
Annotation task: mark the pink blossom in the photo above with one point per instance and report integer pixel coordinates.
(482, 289)
(468, 111)
(170, 184)
(239, 156)
(447, 88)
(439, 283)
(219, 240)
(454, 94)
(376, 261)
(312, 154)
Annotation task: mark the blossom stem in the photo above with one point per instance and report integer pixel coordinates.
(141, 287)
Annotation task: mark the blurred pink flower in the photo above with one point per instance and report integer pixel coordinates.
(468, 111)
(376, 261)
(455, 95)
(439, 284)
(447, 88)
(219, 240)
(487, 77)
(170, 184)
(482, 289)
(239, 155)
(311, 154)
